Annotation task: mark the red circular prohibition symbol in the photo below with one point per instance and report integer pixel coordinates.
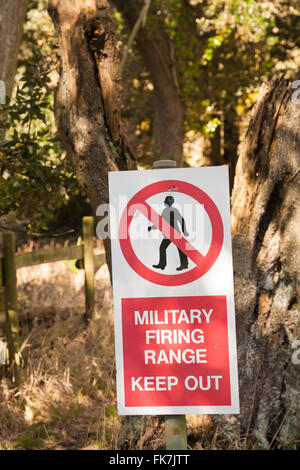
(207, 261)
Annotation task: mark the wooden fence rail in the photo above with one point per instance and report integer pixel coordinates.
(11, 261)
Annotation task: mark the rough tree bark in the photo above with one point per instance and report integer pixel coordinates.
(87, 107)
(158, 54)
(12, 15)
(266, 248)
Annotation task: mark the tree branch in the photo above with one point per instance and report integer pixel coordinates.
(141, 21)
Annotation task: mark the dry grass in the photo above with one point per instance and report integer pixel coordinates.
(67, 396)
(67, 399)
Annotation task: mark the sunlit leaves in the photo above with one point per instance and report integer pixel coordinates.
(34, 181)
(224, 50)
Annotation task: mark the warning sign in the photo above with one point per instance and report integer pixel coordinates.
(183, 358)
(169, 232)
(173, 291)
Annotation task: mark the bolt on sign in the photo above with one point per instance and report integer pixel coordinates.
(173, 291)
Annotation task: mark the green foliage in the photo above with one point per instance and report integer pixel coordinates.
(224, 50)
(35, 178)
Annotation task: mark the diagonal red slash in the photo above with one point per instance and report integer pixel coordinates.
(203, 263)
(171, 233)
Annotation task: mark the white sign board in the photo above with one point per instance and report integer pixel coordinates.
(173, 291)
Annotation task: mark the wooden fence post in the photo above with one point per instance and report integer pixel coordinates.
(175, 425)
(11, 307)
(88, 262)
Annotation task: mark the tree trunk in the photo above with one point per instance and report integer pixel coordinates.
(222, 148)
(87, 105)
(158, 54)
(266, 248)
(12, 16)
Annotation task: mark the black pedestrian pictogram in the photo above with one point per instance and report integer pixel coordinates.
(202, 264)
(174, 218)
